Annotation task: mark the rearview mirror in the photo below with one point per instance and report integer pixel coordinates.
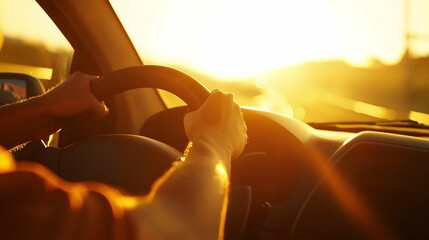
(18, 86)
(15, 87)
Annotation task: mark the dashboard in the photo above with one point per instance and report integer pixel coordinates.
(323, 184)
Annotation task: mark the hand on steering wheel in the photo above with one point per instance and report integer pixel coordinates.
(218, 123)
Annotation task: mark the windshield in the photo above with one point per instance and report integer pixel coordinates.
(32, 44)
(317, 61)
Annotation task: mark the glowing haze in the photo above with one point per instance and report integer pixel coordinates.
(239, 38)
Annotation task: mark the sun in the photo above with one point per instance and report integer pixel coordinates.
(230, 39)
(244, 38)
(235, 39)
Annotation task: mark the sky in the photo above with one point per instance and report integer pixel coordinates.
(31, 22)
(240, 38)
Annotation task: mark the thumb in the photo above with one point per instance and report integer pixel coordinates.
(98, 109)
(188, 122)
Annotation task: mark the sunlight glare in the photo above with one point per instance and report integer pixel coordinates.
(359, 107)
(419, 117)
(353, 203)
(237, 39)
(7, 164)
(32, 24)
(37, 72)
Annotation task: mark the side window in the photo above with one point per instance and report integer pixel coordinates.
(32, 44)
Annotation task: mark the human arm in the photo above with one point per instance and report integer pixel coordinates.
(40, 116)
(189, 201)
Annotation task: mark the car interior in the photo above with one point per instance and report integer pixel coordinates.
(293, 181)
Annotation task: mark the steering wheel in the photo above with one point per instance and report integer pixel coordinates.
(185, 87)
(129, 162)
(132, 162)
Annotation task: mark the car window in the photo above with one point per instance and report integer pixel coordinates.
(315, 60)
(32, 43)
